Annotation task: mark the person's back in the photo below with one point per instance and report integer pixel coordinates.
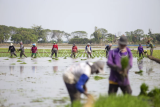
(11, 48)
(74, 48)
(34, 49)
(73, 73)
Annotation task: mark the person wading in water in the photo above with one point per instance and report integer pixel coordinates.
(88, 49)
(74, 50)
(108, 48)
(114, 62)
(54, 50)
(12, 50)
(76, 76)
(22, 50)
(140, 51)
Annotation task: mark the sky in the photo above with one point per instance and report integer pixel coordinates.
(82, 15)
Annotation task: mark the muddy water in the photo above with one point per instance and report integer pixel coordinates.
(39, 82)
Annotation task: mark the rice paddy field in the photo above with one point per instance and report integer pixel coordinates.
(38, 82)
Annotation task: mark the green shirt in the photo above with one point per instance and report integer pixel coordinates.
(151, 44)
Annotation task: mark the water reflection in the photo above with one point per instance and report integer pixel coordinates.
(34, 69)
(55, 69)
(149, 70)
(140, 64)
(11, 69)
(21, 69)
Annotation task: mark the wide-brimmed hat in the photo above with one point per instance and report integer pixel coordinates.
(99, 65)
(123, 40)
(88, 44)
(11, 44)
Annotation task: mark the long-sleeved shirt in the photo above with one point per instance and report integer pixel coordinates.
(74, 48)
(108, 48)
(114, 58)
(140, 49)
(78, 74)
(21, 48)
(11, 49)
(55, 47)
(88, 49)
(34, 49)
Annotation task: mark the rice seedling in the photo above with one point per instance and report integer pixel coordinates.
(13, 64)
(19, 61)
(98, 78)
(23, 63)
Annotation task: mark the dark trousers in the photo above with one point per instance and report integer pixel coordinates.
(106, 54)
(73, 92)
(22, 53)
(73, 54)
(141, 54)
(114, 88)
(54, 52)
(13, 53)
(89, 54)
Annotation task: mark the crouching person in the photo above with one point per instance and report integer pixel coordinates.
(77, 75)
(34, 50)
(114, 62)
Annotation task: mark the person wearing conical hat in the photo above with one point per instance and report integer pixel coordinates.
(12, 50)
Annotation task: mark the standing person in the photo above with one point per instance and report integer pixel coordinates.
(140, 50)
(12, 50)
(54, 49)
(108, 47)
(114, 62)
(76, 76)
(151, 46)
(22, 50)
(74, 50)
(34, 50)
(88, 49)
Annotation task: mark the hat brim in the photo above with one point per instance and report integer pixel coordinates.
(122, 43)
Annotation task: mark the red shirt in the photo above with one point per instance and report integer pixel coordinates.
(74, 48)
(34, 49)
(55, 46)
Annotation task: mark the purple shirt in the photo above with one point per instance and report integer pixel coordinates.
(140, 49)
(114, 58)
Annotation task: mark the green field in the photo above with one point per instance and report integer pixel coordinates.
(67, 53)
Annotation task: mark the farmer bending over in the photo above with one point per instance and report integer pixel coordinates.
(34, 50)
(88, 49)
(140, 50)
(12, 50)
(77, 75)
(108, 47)
(74, 50)
(54, 50)
(22, 50)
(151, 46)
(114, 62)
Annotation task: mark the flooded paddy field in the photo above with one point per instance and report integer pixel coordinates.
(38, 82)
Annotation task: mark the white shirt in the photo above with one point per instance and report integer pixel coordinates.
(73, 73)
(88, 49)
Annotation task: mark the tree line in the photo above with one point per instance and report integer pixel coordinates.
(100, 35)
